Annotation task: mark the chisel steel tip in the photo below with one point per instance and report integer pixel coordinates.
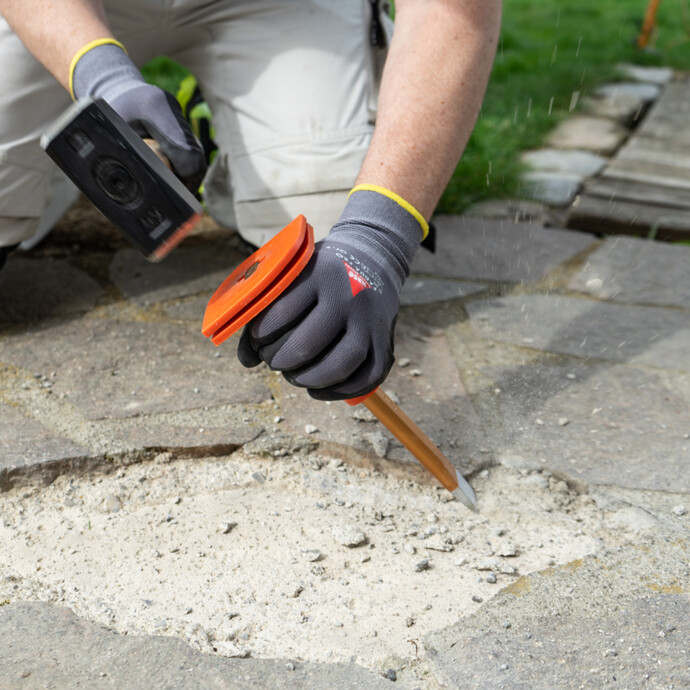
(465, 494)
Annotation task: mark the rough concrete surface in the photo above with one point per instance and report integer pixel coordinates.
(48, 646)
(473, 248)
(591, 623)
(170, 517)
(627, 269)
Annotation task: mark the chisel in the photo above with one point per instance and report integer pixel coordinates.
(259, 280)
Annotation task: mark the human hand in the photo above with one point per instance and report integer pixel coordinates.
(104, 71)
(331, 331)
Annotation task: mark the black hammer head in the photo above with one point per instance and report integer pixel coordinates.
(122, 177)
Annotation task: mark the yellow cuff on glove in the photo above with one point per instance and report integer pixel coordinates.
(398, 200)
(85, 49)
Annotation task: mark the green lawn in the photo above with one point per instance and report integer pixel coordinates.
(551, 54)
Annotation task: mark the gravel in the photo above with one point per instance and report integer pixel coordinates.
(311, 555)
(227, 527)
(422, 565)
(348, 535)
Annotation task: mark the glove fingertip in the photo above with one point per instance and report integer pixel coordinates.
(246, 353)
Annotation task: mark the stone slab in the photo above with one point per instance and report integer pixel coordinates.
(581, 163)
(649, 75)
(191, 309)
(475, 248)
(435, 400)
(655, 168)
(43, 645)
(25, 442)
(625, 269)
(568, 325)
(624, 109)
(34, 289)
(662, 162)
(515, 210)
(119, 369)
(663, 198)
(600, 424)
(668, 117)
(184, 272)
(620, 619)
(645, 92)
(619, 216)
(419, 291)
(554, 188)
(213, 431)
(599, 135)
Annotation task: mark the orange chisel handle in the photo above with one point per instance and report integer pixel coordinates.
(418, 443)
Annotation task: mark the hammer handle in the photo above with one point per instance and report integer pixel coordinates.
(155, 147)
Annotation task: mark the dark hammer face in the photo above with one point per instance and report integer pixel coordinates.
(122, 177)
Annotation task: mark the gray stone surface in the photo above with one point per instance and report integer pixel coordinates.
(582, 163)
(600, 424)
(34, 289)
(118, 369)
(43, 645)
(418, 291)
(185, 272)
(645, 92)
(191, 309)
(554, 188)
(596, 134)
(211, 431)
(617, 620)
(514, 210)
(480, 249)
(568, 325)
(624, 109)
(429, 391)
(626, 269)
(650, 75)
(26, 442)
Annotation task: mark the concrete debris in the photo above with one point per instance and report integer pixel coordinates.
(227, 527)
(311, 555)
(508, 550)
(348, 535)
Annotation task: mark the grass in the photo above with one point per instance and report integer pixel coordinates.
(551, 54)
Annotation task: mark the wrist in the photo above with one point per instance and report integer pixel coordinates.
(393, 196)
(102, 69)
(375, 222)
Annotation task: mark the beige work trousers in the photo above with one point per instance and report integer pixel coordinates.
(292, 86)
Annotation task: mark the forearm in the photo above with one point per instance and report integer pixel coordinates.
(54, 30)
(431, 92)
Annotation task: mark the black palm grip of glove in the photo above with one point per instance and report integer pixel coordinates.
(332, 330)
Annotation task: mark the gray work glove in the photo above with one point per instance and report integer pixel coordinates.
(106, 72)
(331, 331)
